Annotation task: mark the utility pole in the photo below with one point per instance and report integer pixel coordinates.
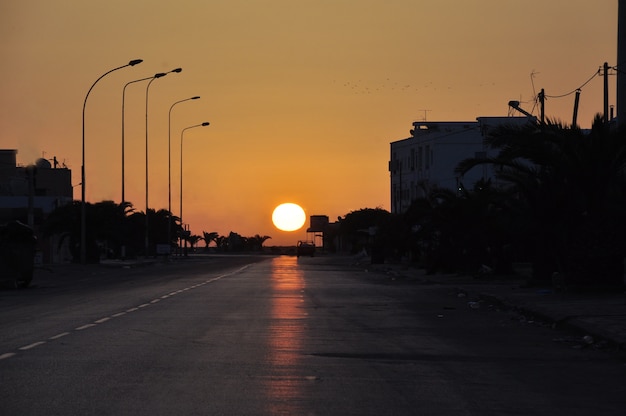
(31, 171)
(542, 105)
(621, 63)
(575, 116)
(606, 94)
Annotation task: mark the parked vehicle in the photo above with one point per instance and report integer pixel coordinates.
(17, 254)
(305, 248)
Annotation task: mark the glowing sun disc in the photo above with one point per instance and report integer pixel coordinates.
(288, 217)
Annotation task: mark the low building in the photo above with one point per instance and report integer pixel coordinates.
(29, 193)
(430, 155)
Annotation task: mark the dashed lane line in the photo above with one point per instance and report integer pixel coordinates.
(83, 327)
(117, 315)
(31, 346)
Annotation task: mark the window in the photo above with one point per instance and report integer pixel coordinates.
(419, 158)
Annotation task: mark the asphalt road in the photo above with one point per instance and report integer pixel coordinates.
(283, 336)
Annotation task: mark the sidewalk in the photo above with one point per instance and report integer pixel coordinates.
(598, 316)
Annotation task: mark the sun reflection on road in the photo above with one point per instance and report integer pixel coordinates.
(285, 336)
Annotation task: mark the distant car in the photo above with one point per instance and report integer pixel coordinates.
(305, 248)
(17, 254)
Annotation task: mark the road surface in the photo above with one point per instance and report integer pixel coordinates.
(283, 336)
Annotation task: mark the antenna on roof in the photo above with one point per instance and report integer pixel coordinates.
(425, 111)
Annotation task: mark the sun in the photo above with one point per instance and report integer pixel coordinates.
(288, 217)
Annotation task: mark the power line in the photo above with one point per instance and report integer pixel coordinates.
(617, 69)
(595, 74)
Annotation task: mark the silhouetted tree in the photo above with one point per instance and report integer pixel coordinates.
(570, 192)
(256, 243)
(193, 240)
(460, 230)
(235, 242)
(135, 234)
(159, 221)
(208, 237)
(65, 221)
(106, 227)
(358, 227)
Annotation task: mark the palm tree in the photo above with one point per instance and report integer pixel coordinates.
(256, 243)
(459, 231)
(193, 240)
(159, 221)
(135, 233)
(569, 188)
(222, 243)
(107, 227)
(208, 237)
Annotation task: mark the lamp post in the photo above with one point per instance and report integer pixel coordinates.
(169, 169)
(123, 130)
(83, 219)
(162, 74)
(206, 123)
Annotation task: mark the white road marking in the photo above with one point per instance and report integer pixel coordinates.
(116, 315)
(31, 346)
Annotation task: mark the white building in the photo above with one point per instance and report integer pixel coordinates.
(428, 158)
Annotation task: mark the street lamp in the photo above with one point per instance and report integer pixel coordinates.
(83, 219)
(206, 123)
(123, 130)
(159, 75)
(169, 169)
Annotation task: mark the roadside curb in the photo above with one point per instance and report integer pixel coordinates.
(601, 318)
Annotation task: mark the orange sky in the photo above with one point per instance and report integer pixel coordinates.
(303, 96)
